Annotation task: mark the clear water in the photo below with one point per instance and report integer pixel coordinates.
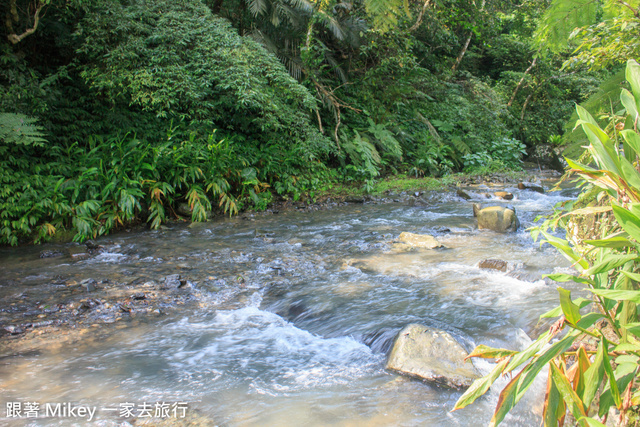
(297, 312)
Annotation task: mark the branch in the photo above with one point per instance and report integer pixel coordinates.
(513, 96)
(635, 12)
(524, 107)
(419, 19)
(15, 39)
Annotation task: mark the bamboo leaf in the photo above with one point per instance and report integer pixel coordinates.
(526, 354)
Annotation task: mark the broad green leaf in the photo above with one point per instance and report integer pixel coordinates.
(610, 242)
(615, 393)
(593, 377)
(583, 364)
(627, 347)
(565, 250)
(534, 368)
(570, 310)
(568, 394)
(630, 176)
(610, 262)
(535, 347)
(630, 275)
(590, 422)
(618, 295)
(632, 74)
(560, 277)
(632, 139)
(589, 319)
(553, 404)
(580, 302)
(505, 400)
(487, 352)
(579, 166)
(480, 386)
(628, 221)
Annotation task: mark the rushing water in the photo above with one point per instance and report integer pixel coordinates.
(298, 310)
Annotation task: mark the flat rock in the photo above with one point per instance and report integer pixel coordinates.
(424, 241)
(431, 355)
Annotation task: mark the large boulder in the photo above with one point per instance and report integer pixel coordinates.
(497, 218)
(410, 240)
(431, 355)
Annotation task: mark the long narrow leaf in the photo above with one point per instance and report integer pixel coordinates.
(570, 310)
(480, 386)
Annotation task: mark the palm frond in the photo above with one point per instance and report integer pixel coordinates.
(258, 7)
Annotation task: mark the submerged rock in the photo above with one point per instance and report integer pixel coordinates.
(531, 186)
(463, 194)
(431, 355)
(411, 240)
(493, 264)
(497, 218)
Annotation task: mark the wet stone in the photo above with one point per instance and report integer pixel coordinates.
(14, 330)
(89, 285)
(51, 254)
(531, 186)
(493, 264)
(504, 195)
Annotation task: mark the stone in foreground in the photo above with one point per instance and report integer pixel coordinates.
(431, 355)
(497, 218)
(419, 240)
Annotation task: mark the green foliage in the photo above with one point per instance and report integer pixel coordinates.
(561, 19)
(20, 129)
(175, 59)
(499, 155)
(114, 182)
(588, 385)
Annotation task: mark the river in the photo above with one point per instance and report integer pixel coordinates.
(294, 314)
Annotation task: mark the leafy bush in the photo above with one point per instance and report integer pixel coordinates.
(595, 366)
(499, 155)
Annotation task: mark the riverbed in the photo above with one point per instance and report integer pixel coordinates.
(281, 319)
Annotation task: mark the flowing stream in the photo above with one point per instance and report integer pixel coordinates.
(295, 314)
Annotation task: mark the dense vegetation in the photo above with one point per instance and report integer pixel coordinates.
(113, 112)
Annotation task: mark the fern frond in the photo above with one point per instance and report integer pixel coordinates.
(561, 19)
(19, 129)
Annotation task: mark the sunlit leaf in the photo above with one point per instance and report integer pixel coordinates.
(480, 386)
(570, 310)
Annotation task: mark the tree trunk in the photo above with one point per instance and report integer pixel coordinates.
(515, 91)
(466, 45)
